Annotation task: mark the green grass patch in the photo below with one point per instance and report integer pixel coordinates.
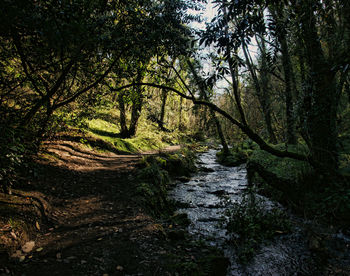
(104, 126)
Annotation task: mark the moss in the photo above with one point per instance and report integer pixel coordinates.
(180, 164)
(154, 178)
(284, 168)
(153, 188)
(238, 154)
(294, 182)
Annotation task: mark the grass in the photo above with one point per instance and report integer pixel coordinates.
(104, 125)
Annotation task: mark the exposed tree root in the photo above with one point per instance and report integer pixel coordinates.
(35, 199)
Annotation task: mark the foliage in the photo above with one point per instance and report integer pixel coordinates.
(12, 157)
(251, 223)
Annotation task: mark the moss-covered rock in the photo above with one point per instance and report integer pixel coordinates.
(238, 154)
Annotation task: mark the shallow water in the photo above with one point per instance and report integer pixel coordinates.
(209, 194)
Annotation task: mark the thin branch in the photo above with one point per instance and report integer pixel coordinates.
(87, 88)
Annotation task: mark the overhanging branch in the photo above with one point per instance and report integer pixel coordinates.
(247, 130)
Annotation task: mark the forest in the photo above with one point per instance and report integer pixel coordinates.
(128, 129)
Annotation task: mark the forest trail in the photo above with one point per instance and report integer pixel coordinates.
(98, 227)
(74, 157)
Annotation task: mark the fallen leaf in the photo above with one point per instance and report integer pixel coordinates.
(39, 249)
(13, 235)
(37, 225)
(22, 258)
(99, 239)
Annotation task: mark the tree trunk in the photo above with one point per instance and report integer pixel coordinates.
(122, 120)
(204, 94)
(263, 92)
(278, 15)
(136, 107)
(180, 114)
(162, 110)
(322, 116)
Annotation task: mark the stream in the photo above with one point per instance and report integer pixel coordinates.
(208, 195)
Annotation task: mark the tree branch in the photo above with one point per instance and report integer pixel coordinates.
(247, 130)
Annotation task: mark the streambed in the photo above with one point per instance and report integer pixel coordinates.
(207, 197)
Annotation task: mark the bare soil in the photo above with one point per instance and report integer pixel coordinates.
(89, 221)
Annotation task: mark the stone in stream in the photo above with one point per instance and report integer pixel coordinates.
(218, 192)
(219, 265)
(176, 235)
(183, 178)
(205, 169)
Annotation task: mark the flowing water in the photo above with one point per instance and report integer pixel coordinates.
(209, 194)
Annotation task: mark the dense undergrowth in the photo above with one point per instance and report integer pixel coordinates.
(155, 175)
(296, 183)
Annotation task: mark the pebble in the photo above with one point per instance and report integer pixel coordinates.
(28, 246)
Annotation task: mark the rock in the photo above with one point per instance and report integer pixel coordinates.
(176, 235)
(28, 246)
(181, 219)
(218, 192)
(17, 254)
(183, 179)
(205, 169)
(219, 265)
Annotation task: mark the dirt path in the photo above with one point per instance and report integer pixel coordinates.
(98, 227)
